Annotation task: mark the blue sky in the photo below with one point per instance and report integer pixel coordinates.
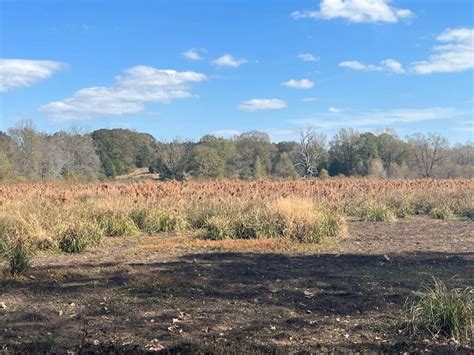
(187, 68)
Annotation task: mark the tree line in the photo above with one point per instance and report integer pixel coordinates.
(27, 154)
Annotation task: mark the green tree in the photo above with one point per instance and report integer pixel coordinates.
(127, 149)
(259, 171)
(284, 167)
(227, 151)
(392, 151)
(367, 149)
(205, 162)
(251, 145)
(108, 166)
(344, 152)
(144, 156)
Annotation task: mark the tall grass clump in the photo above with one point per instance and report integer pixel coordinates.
(442, 312)
(443, 213)
(301, 220)
(116, 224)
(401, 205)
(19, 255)
(376, 212)
(219, 228)
(423, 202)
(80, 235)
(292, 217)
(16, 243)
(155, 220)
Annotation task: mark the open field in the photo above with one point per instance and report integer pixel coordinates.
(183, 267)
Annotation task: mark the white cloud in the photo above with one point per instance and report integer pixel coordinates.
(356, 11)
(335, 110)
(456, 53)
(262, 104)
(307, 57)
(131, 91)
(310, 99)
(470, 101)
(193, 54)
(377, 118)
(228, 60)
(299, 84)
(354, 64)
(387, 65)
(22, 73)
(226, 133)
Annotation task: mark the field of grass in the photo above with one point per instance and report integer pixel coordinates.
(330, 263)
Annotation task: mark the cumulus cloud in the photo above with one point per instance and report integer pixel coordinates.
(454, 54)
(299, 84)
(387, 65)
(228, 60)
(22, 73)
(262, 104)
(358, 11)
(137, 86)
(307, 57)
(193, 54)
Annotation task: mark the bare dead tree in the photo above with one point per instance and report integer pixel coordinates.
(428, 152)
(171, 156)
(310, 151)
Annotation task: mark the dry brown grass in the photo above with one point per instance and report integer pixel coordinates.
(189, 242)
(306, 211)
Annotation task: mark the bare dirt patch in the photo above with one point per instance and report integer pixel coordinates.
(182, 294)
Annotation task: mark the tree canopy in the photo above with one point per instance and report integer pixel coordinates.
(106, 153)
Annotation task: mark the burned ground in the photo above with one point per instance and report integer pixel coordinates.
(131, 295)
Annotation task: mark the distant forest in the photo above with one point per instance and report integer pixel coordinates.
(27, 154)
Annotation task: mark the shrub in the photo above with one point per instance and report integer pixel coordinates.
(443, 213)
(441, 311)
(323, 174)
(376, 212)
(78, 236)
(19, 257)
